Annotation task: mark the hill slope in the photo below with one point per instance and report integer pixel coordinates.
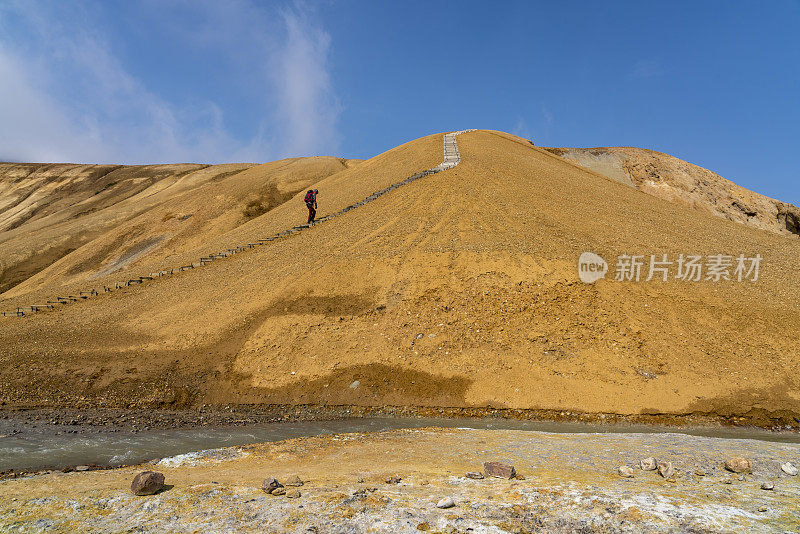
(456, 290)
(678, 181)
(48, 211)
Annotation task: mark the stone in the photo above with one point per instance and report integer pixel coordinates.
(81, 468)
(474, 476)
(447, 502)
(293, 481)
(393, 480)
(737, 464)
(789, 469)
(625, 471)
(293, 494)
(278, 491)
(666, 469)
(699, 472)
(355, 384)
(147, 483)
(762, 508)
(767, 486)
(499, 470)
(270, 484)
(648, 464)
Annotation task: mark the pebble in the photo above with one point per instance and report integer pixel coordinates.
(278, 491)
(293, 494)
(393, 480)
(789, 469)
(625, 471)
(666, 470)
(762, 508)
(474, 475)
(355, 384)
(767, 486)
(737, 464)
(699, 472)
(271, 484)
(81, 468)
(648, 464)
(293, 481)
(447, 502)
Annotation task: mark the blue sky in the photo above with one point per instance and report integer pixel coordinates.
(715, 83)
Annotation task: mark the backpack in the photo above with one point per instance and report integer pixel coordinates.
(310, 196)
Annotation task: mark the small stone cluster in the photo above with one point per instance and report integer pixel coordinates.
(736, 464)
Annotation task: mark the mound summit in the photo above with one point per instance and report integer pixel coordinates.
(457, 291)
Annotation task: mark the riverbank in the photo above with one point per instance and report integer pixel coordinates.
(570, 483)
(36, 441)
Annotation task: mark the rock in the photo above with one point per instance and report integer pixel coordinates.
(519, 477)
(767, 486)
(355, 384)
(648, 464)
(499, 469)
(741, 478)
(473, 475)
(293, 494)
(293, 481)
(360, 480)
(147, 483)
(699, 472)
(738, 464)
(789, 469)
(278, 491)
(270, 484)
(81, 468)
(762, 508)
(727, 480)
(665, 469)
(447, 502)
(393, 480)
(625, 471)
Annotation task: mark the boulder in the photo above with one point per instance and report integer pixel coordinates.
(648, 464)
(666, 469)
(147, 483)
(737, 464)
(499, 469)
(270, 484)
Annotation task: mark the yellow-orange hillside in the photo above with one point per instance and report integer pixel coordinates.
(457, 290)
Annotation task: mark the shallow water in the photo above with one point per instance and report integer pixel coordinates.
(37, 448)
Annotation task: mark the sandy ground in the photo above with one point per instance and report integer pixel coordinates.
(570, 485)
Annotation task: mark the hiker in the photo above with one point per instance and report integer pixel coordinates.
(311, 203)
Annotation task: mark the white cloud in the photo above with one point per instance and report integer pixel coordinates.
(309, 112)
(108, 115)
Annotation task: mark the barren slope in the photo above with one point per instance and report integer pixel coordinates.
(457, 290)
(108, 217)
(678, 181)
